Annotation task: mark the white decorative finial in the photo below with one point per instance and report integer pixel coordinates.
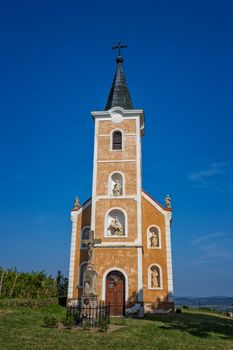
(168, 201)
(76, 203)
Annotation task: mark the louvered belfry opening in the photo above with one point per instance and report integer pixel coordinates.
(117, 140)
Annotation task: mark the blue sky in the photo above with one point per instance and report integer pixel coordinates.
(56, 66)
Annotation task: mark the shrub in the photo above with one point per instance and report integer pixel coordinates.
(50, 322)
(103, 327)
(178, 311)
(28, 285)
(33, 303)
(70, 321)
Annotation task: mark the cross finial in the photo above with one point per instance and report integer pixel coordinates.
(119, 46)
(90, 244)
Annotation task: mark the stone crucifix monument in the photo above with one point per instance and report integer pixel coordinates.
(89, 295)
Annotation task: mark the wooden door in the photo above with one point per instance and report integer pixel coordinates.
(115, 293)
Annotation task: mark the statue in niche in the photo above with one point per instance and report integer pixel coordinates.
(76, 203)
(154, 242)
(154, 278)
(168, 201)
(116, 191)
(115, 227)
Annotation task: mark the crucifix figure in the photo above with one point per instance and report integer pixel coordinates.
(90, 243)
(119, 46)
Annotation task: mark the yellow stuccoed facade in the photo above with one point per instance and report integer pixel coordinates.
(133, 253)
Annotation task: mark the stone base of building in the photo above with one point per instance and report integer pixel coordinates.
(159, 308)
(135, 309)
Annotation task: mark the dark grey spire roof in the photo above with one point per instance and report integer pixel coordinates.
(119, 95)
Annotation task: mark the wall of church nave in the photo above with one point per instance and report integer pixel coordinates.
(151, 216)
(153, 234)
(121, 259)
(154, 253)
(81, 258)
(129, 208)
(127, 169)
(83, 220)
(155, 292)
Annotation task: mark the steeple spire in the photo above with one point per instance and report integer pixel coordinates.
(119, 95)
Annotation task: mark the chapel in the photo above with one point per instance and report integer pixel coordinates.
(130, 230)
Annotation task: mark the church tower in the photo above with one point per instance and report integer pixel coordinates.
(133, 255)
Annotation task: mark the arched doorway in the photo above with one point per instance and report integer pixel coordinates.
(115, 292)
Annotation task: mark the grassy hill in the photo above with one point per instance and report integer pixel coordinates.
(21, 328)
(204, 301)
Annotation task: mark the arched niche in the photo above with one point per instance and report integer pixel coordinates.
(84, 234)
(82, 269)
(153, 237)
(154, 277)
(116, 184)
(115, 223)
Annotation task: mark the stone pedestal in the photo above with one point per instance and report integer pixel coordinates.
(90, 282)
(89, 301)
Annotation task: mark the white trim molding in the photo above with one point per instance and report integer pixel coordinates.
(126, 114)
(127, 244)
(139, 209)
(154, 203)
(104, 282)
(117, 160)
(94, 179)
(169, 256)
(74, 216)
(135, 197)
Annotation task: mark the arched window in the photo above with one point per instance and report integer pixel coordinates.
(117, 140)
(153, 237)
(115, 223)
(84, 234)
(82, 269)
(116, 185)
(154, 277)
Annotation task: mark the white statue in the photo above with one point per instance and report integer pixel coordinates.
(168, 201)
(116, 191)
(154, 278)
(76, 203)
(116, 227)
(154, 240)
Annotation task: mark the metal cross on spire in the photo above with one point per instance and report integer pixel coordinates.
(119, 46)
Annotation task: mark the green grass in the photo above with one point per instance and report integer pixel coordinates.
(21, 328)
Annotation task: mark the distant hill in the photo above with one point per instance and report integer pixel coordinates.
(205, 301)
